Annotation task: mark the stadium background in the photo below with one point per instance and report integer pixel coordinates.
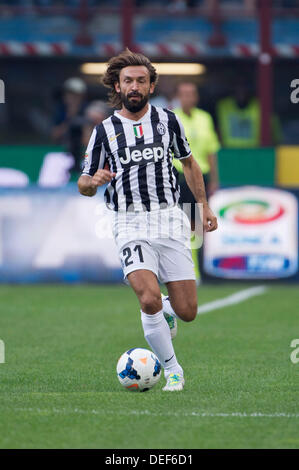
(60, 341)
(43, 43)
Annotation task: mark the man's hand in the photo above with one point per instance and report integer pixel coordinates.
(102, 177)
(195, 182)
(209, 219)
(88, 186)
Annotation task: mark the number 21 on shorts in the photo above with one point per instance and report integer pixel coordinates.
(129, 256)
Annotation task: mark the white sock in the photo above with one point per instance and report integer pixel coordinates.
(157, 334)
(167, 308)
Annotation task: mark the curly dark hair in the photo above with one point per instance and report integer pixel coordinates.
(116, 64)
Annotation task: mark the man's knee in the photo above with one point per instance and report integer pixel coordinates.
(150, 302)
(187, 312)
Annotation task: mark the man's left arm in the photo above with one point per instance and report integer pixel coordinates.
(194, 179)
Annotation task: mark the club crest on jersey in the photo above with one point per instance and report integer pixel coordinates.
(138, 131)
(161, 128)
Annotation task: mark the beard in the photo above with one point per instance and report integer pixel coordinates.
(134, 106)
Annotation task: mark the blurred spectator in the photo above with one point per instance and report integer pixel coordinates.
(239, 119)
(69, 119)
(94, 114)
(165, 93)
(200, 132)
(204, 144)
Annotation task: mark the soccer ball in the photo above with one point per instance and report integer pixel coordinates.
(138, 369)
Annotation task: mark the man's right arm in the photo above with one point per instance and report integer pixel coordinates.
(95, 158)
(88, 185)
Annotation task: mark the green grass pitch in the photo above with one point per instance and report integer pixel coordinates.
(58, 385)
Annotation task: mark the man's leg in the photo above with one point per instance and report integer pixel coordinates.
(182, 300)
(156, 330)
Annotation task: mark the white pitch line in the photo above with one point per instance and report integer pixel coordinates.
(233, 299)
(198, 414)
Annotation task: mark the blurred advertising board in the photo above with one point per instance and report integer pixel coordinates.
(21, 165)
(56, 235)
(257, 236)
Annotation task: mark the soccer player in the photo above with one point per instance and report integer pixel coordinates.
(138, 143)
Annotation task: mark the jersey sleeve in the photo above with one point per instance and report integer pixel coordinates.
(180, 144)
(95, 155)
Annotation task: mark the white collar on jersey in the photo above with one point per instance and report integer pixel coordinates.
(131, 120)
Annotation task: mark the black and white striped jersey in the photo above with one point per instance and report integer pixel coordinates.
(140, 153)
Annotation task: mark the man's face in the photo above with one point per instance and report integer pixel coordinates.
(242, 96)
(187, 95)
(134, 87)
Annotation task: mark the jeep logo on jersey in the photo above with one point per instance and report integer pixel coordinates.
(141, 154)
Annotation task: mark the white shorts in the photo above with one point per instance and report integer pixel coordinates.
(144, 245)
